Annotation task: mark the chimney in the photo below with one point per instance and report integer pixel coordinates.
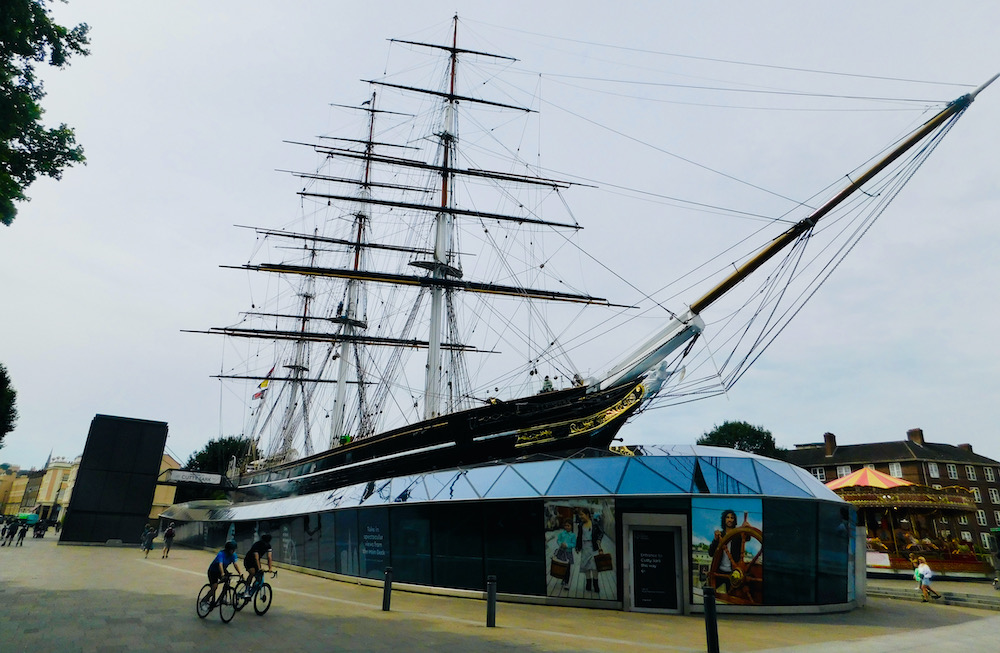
(830, 443)
(916, 436)
(965, 447)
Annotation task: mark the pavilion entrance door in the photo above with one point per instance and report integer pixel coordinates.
(655, 565)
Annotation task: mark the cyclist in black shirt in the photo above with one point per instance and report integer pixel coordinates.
(252, 561)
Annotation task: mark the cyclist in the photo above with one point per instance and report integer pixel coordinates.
(217, 570)
(252, 561)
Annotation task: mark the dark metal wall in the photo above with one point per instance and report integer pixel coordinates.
(116, 480)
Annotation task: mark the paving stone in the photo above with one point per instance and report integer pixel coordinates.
(109, 599)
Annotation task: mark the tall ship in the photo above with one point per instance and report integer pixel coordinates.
(425, 317)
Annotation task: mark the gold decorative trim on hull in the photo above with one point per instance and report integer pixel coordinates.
(577, 427)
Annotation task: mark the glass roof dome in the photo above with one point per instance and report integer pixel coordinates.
(646, 470)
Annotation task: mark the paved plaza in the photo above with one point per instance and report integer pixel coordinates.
(106, 599)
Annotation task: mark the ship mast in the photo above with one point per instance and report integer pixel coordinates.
(297, 368)
(348, 317)
(682, 329)
(443, 223)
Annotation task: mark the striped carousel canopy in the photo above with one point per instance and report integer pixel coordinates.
(867, 477)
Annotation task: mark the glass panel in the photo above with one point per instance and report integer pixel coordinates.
(327, 543)
(790, 552)
(411, 545)
(813, 485)
(458, 546)
(483, 478)
(606, 471)
(458, 487)
(287, 541)
(789, 473)
(511, 484)
(515, 546)
(741, 469)
(639, 479)
(572, 482)
(436, 481)
(408, 488)
(719, 482)
(834, 534)
(310, 540)
(245, 535)
(678, 470)
(346, 538)
(540, 475)
(773, 484)
(373, 527)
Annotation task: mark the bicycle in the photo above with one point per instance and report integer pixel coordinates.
(226, 599)
(258, 590)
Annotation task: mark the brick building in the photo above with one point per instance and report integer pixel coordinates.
(921, 462)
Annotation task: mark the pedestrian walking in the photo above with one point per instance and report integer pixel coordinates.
(168, 540)
(11, 531)
(146, 539)
(925, 580)
(21, 533)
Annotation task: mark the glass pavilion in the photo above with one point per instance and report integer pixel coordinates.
(643, 528)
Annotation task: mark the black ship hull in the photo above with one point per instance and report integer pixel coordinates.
(544, 423)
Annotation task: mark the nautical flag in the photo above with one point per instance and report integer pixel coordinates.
(263, 385)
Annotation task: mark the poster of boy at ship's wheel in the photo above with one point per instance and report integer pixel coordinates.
(579, 541)
(727, 547)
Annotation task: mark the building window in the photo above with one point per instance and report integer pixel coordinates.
(820, 474)
(952, 472)
(895, 469)
(966, 536)
(994, 495)
(989, 474)
(977, 494)
(970, 472)
(869, 465)
(932, 470)
(985, 537)
(843, 470)
(996, 517)
(981, 517)
(963, 520)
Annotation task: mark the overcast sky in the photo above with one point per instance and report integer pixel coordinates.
(183, 107)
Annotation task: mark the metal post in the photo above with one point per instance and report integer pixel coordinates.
(711, 623)
(491, 601)
(387, 590)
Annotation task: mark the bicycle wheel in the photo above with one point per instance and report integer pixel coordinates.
(227, 604)
(203, 610)
(241, 594)
(262, 600)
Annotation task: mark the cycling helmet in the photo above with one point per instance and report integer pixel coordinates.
(230, 546)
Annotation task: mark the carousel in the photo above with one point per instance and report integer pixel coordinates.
(904, 521)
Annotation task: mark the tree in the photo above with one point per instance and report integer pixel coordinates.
(8, 404)
(742, 436)
(215, 456)
(28, 149)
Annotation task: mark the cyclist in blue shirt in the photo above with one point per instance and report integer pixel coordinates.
(217, 570)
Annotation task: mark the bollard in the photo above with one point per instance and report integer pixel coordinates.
(491, 601)
(387, 590)
(711, 622)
